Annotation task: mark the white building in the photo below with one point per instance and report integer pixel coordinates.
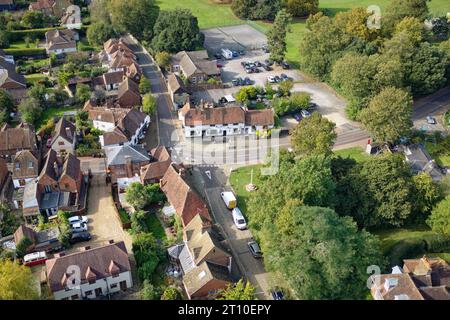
(90, 273)
(61, 41)
(72, 18)
(224, 121)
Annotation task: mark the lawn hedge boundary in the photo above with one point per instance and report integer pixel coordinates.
(29, 52)
(410, 248)
(32, 33)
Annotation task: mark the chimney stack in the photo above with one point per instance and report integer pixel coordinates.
(128, 166)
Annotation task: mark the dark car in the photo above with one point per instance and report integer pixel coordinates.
(80, 237)
(258, 64)
(217, 55)
(247, 81)
(284, 76)
(297, 116)
(242, 52)
(312, 106)
(277, 295)
(249, 70)
(268, 62)
(235, 82)
(255, 250)
(267, 67)
(277, 79)
(256, 70)
(235, 54)
(285, 65)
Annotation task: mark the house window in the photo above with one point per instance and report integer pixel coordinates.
(30, 164)
(192, 133)
(47, 189)
(17, 165)
(193, 79)
(74, 297)
(61, 143)
(98, 292)
(66, 298)
(123, 285)
(114, 285)
(88, 293)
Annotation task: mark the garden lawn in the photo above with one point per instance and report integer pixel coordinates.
(441, 159)
(212, 15)
(22, 45)
(34, 77)
(239, 178)
(155, 227)
(356, 153)
(37, 63)
(209, 15)
(52, 112)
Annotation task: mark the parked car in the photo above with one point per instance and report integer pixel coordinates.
(277, 79)
(244, 63)
(305, 114)
(247, 81)
(80, 237)
(297, 116)
(285, 65)
(249, 70)
(235, 82)
(78, 219)
(431, 120)
(217, 55)
(79, 227)
(35, 258)
(242, 52)
(271, 79)
(255, 250)
(277, 295)
(267, 67)
(258, 64)
(313, 106)
(235, 54)
(268, 62)
(229, 199)
(239, 219)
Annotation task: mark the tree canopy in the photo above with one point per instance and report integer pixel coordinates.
(17, 282)
(238, 291)
(177, 30)
(439, 220)
(276, 37)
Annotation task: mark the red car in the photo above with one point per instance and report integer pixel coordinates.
(35, 258)
(219, 65)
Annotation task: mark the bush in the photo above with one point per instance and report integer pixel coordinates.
(437, 243)
(17, 35)
(33, 52)
(405, 249)
(22, 246)
(171, 293)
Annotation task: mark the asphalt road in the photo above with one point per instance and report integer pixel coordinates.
(165, 118)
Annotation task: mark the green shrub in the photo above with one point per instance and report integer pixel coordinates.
(437, 243)
(405, 249)
(30, 52)
(31, 33)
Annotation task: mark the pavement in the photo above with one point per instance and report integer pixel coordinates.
(210, 181)
(434, 105)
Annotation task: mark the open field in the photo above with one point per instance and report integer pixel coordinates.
(214, 15)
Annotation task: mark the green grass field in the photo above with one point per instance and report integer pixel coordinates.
(216, 15)
(155, 227)
(34, 77)
(22, 45)
(239, 178)
(50, 113)
(355, 153)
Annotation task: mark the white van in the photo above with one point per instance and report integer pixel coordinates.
(239, 219)
(227, 54)
(229, 199)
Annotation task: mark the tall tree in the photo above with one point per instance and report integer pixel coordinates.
(137, 17)
(256, 9)
(439, 219)
(99, 32)
(302, 8)
(6, 105)
(238, 291)
(98, 10)
(276, 37)
(397, 10)
(313, 135)
(319, 254)
(388, 116)
(177, 30)
(17, 282)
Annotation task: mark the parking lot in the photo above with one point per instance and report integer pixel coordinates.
(240, 37)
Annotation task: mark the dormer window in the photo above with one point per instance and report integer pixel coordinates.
(17, 165)
(30, 164)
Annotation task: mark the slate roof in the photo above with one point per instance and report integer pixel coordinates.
(114, 137)
(198, 277)
(214, 116)
(263, 117)
(24, 158)
(193, 62)
(116, 155)
(60, 39)
(9, 78)
(17, 138)
(60, 130)
(71, 167)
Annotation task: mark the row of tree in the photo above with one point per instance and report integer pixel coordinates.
(267, 9)
(165, 31)
(361, 61)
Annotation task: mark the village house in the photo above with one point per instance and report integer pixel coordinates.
(117, 56)
(110, 81)
(124, 164)
(207, 121)
(13, 140)
(205, 261)
(104, 270)
(72, 18)
(155, 170)
(43, 240)
(419, 279)
(60, 186)
(128, 95)
(14, 83)
(25, 167)
(6, 5)
(120, 126)
(194, 66)
(178, 93)
(64, 137)
(421, 161)
(50, 7)
(61, 41)
(186, 201)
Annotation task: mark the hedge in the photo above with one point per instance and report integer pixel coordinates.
(32, 33)
(28, 52)
(410, 248)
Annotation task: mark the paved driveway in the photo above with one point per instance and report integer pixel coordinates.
(103, 223)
